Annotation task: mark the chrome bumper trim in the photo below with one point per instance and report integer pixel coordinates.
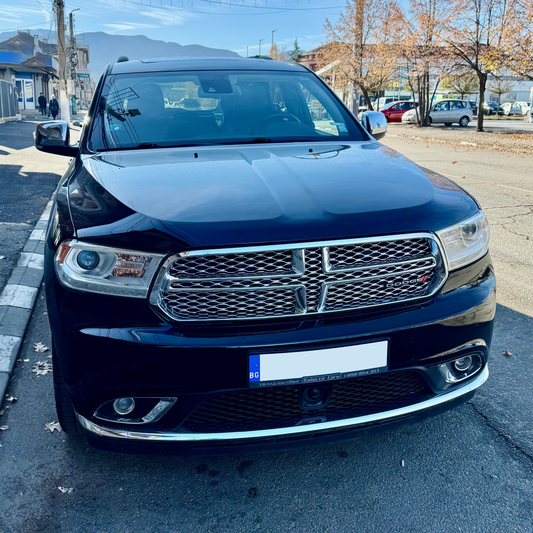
(286, 431)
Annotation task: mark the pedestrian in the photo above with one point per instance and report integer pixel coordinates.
(54, 106)
(42, 104)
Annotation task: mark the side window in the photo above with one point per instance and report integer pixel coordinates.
(456, 105)
(441, 106)
(320, 116)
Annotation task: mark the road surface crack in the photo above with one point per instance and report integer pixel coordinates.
(507, 439)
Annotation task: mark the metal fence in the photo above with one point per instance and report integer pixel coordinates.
(8, 100)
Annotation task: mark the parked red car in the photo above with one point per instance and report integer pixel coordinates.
(395, 110)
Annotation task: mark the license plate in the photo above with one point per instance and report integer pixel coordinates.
(294, 368)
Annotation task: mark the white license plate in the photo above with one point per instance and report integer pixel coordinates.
(292, 368)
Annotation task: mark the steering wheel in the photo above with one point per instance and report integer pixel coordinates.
(277, 117)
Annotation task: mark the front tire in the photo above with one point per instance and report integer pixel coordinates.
(448, 124)
(464, 122)
(65, 412)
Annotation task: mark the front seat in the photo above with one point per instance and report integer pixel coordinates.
(147, 114)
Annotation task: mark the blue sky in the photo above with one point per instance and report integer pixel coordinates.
(231, 24)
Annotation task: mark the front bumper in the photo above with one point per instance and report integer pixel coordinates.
(323, 427)
(103, 358)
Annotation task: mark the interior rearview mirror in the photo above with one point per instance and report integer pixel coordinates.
(53, 137)
(375, 123)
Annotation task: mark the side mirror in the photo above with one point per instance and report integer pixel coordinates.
(53, 137)
(375, 123)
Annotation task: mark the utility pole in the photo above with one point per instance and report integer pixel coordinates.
(358, 52)
(73, 59)
(61, 53)
(260, 41)
(272, 46)
(247, 52)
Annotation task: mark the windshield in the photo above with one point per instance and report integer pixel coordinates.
(149, 110)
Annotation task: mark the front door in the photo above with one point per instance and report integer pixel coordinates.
(439, 113)
(25, 93)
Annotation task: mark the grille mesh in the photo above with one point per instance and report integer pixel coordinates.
(283, 283)
(233, 265)
(355, 255)
(240, 410)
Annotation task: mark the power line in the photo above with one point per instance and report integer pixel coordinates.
(23, 26)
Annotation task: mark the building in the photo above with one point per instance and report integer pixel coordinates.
(28, 64)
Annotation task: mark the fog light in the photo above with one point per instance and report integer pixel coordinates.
(124, 406)
(88, 260)
(461, 369)
(463, 364)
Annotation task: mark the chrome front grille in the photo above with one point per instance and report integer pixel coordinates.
(299, 279)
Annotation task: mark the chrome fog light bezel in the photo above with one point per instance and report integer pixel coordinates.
(452, 375)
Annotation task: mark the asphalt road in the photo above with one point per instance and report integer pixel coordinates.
(468, 470)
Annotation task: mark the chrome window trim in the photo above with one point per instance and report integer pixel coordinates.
(287, 431)
(162, 279)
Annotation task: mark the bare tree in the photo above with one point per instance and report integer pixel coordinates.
(279, 53)
(422, 51)
(478, 35)
(461, 84)
(500, 86)
(361, 45)
(518, 56)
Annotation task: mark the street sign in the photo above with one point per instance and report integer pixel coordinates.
(83, 75)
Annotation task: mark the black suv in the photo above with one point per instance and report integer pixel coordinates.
(234, 261)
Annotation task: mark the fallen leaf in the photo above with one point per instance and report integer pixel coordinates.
(4, 409)
(453, 162)
(403, 462)
(3, 428)
(41, 368)
(507, 353)
(53, 426)
(25, 360)
(65, 490)
(2, 256)
(39, 347)
(10, 398)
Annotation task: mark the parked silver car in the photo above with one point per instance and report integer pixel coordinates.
(513, 108)
(447, 112)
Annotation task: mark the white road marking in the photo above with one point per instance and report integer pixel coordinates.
(18, 296)
(515, 188)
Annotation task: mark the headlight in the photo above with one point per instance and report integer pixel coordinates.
(92, 268)
(465, 242)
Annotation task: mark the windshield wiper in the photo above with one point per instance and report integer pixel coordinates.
(256, 140)
(148, 145)
(260, 140)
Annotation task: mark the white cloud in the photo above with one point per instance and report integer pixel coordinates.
(168, 17)
(120, 27)
(124, 26)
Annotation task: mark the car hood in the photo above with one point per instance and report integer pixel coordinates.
(248, 194)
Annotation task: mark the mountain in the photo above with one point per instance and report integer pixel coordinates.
(105, 48)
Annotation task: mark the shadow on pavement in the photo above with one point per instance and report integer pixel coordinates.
(24, 195)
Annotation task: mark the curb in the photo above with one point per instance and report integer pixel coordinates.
(18, 299)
